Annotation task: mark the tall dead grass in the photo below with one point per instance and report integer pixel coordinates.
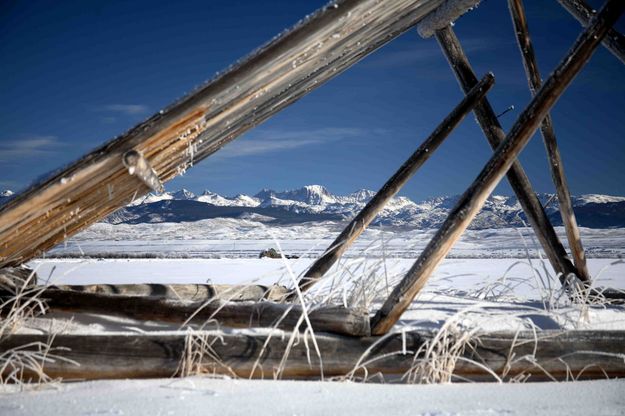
(24, 365)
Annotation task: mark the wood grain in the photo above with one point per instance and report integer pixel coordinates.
(336, 319)
(318, 48)
(547, 355)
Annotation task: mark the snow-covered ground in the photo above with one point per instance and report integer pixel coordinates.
(494, 280)
(205, 396)
(494, 294)
(242, 238)
(452, 274)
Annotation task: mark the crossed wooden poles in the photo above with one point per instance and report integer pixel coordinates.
(504, 160)
(287, 68)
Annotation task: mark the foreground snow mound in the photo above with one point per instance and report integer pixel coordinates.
(193, 395)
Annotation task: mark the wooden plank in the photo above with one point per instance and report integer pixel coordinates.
(472, 201)
(546, 355)
(186, 292)
(290, 66)
(495, 135)
(361, 221)
(614, 41)
(556, 165)
(336, 319)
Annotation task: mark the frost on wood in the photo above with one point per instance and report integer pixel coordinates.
(138, 165)
(193, 128)
(444, 14)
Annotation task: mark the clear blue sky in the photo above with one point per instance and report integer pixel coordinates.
(76, 74)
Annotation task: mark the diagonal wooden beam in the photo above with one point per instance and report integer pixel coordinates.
(472, 201)
(393, 185)
(495, 135)
(549, 138)
(318, 48)
(614, 41)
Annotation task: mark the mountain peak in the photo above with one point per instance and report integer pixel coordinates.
(183, 194)
(265, 193)
(317, 189)
(309, 194)
(362, 195)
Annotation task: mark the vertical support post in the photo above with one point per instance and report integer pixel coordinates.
(614, 41)
(495, 135)
(393, 185)
(556, 166)
(474, 197)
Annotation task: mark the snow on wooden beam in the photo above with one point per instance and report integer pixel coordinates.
(184, 291)
(335, 319)
(289, 67)
(444, 15)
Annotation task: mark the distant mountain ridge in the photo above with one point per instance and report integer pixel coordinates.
(316, 203)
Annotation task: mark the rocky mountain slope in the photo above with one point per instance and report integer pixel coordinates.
(316, 203)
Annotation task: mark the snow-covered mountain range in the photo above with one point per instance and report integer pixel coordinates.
(316, 203)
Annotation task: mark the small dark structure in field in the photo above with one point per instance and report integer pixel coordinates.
(193, 128)
(272, 253)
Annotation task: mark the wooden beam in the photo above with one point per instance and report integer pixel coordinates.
(549, 138)
(289, 67)
(546, 355)
(336, 319)
(353, 230)
(614, 41)
(472, 201)
(495, 135)
(185, 292)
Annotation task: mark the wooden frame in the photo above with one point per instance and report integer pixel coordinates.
(504, 157)
(393, 185)
(486, 118)
(583, 13)
(247, 94)
(556, 165)
(289, 67)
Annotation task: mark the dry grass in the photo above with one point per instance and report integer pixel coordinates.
(199, 357)
(436, 360)
(23, 304)
(26, 363)
(364, 282)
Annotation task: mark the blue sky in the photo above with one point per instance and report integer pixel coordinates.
(76, 74)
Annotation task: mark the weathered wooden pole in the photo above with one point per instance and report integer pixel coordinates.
(554, 354)
(472, 201)
(393, 185)
(336, 319)
(320, 47)
(614, 41)
(519, 181)
(549, 138)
